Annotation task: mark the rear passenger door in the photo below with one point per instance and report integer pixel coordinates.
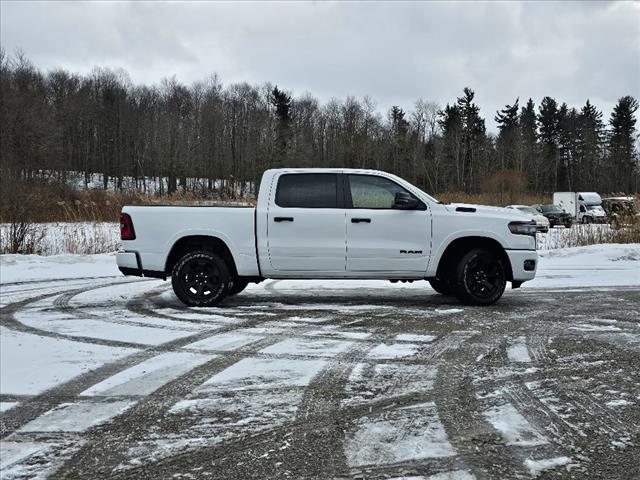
(305, 224)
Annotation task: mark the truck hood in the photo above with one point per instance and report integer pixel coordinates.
(487, 211)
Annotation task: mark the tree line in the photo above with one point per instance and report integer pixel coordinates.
(59, 122)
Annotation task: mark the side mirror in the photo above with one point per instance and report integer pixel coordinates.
(405, 201)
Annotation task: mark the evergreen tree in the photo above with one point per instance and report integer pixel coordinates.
(399, 142)
(623, 158)
(590, 146)
(473, 139)
(281, 101)
(567, 147)
(529, 141)
(548, 128)
(508, 143)
(450, 122)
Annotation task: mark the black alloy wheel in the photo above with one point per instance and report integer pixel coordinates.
(480, 277)
(200, 279)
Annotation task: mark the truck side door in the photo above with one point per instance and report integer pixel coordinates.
(305, 224)
(381, 238)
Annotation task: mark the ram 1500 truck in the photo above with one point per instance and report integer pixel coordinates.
(330, 224)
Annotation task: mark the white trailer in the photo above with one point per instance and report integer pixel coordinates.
(584, 207)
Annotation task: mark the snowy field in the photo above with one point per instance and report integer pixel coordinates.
(67, 237)
(105, 376)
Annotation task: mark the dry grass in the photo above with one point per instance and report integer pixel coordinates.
(582, 235)
(40, 202)
(499, 199)
(82, 238)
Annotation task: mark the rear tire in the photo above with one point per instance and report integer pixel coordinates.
(480, 277)
(236, 286)
(200, 279)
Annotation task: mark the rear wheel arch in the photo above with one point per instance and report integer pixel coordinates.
(461, 246)
(200, 243)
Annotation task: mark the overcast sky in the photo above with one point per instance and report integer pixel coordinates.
(394, 52)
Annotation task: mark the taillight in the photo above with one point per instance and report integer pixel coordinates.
(126, 227)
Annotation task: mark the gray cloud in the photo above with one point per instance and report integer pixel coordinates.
(395, 52)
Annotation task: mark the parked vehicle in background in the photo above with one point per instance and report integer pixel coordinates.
(330, 223)
(621, 211)
(542, 223)
(556, 215)
(584, 207)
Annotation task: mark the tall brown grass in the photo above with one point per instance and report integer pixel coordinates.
(583, 235)
(495, 199)
(52, 202)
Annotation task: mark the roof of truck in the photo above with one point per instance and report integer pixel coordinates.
(326, 170)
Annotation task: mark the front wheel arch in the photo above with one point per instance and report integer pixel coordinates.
(461, 246)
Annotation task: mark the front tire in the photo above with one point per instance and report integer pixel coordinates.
(200, 279)
(441, 286)
(480, 277)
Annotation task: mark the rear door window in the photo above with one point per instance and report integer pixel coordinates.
(307, 190)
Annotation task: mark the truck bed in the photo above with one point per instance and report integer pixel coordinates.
(158, 228)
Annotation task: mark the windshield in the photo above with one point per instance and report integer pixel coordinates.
(530, 210)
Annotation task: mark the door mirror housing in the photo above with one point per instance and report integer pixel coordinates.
(405, 201)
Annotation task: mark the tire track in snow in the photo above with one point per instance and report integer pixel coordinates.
(570, 416)
(107, 447)
(26, 411)
(461, 414)
(8, 320)
(318, 408)
(269, 451)
(48, 280)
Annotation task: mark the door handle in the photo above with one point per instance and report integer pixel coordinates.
(283, 219)
(360, 220)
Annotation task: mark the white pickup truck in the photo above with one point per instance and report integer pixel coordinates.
(331, 224)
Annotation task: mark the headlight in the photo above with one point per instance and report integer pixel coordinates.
(523, 228)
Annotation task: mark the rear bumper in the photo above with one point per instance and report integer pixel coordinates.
(130, 260)
(129, 264)
(524, 264)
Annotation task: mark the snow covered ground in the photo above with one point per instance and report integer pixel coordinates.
(318, 379)
(595, 265)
